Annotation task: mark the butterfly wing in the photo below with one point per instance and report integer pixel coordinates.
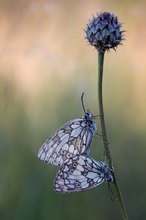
(78, 174)
(70, 140)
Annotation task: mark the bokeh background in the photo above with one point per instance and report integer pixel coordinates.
(45, 65)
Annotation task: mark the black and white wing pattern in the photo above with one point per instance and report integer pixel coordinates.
(73, 138)
(81, 173)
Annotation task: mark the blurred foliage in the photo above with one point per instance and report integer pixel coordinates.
(45, 65)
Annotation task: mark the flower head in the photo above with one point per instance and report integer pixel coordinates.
(103, 31)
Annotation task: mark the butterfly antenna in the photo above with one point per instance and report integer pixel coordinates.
(82, 101)
(96, 116)
(111, 193)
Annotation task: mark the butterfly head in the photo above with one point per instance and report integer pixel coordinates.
(88, 117)
(107, 172)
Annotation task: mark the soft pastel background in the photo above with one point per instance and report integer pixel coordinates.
(45, 65)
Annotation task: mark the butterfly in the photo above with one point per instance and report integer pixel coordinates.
(81, 173)
(73, 138)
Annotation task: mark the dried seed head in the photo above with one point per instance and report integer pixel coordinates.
(103, 31)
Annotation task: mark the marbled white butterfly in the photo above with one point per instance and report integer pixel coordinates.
(81, 173)
(73, 138)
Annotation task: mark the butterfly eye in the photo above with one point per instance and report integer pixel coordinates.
(78, 184)
(68, 155)
(90, 181)
(62, 152)
(71, 171)
(74, 164)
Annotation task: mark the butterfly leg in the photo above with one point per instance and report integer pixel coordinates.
(111, 193)
(97, 134)
(103, 157)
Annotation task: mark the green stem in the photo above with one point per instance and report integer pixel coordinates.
(104, 135)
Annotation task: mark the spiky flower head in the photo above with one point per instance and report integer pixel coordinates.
(104, 31)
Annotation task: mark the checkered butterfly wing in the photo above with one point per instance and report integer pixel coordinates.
(73, 138)
(81, 173)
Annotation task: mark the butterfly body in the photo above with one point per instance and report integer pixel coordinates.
(81, 173)
(73, 138)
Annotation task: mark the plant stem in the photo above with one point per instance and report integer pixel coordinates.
(104, 135)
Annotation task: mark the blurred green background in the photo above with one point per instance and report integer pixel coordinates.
(45, 65)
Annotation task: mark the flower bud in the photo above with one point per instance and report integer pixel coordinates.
(103, 32)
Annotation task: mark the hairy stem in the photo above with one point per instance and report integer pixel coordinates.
(104, 135)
